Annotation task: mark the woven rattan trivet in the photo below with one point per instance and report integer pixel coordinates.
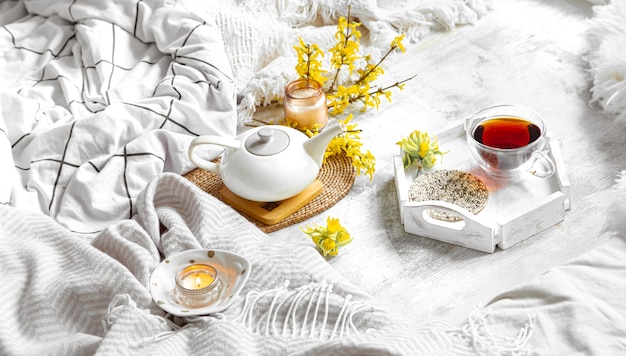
(452, 186)
(337, 175)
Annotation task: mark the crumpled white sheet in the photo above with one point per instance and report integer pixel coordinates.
(578, 308)
(99, 97)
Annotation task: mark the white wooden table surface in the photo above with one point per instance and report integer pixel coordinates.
(527, 52)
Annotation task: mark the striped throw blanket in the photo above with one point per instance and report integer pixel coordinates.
(63, 294)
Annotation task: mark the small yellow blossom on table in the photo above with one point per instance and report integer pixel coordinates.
(329, 238)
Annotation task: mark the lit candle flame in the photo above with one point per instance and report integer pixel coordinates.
(198, 281)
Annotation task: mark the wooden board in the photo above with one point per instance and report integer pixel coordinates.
(272, 213)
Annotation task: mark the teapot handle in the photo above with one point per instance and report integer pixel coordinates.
(210, 140)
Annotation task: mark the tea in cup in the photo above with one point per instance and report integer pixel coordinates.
(507, 140)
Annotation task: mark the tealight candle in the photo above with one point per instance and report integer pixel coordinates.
(198, 285)
(305, 104)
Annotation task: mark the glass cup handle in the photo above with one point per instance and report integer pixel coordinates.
(541, 165)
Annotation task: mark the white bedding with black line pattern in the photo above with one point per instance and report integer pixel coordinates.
(98, 97)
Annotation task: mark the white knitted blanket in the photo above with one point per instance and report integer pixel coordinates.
(61, 294)
(260, 34)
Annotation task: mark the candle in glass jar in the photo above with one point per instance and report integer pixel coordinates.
(198, 285)
(197, 280)
(305, 104)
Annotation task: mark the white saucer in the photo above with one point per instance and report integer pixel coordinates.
(233, 271)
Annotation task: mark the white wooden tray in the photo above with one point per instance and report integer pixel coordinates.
(514, 212)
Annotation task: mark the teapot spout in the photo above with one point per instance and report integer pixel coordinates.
(316, 145)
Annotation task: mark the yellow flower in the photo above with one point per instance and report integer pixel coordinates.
(328, 238)
(349, 143)
(309, 63)
(363, 72)
(333, 225)
(424, 148)
(346, 53)
(420, 150)
(328, 245)
(397, 43)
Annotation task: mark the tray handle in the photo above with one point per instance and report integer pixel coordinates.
(472, 231)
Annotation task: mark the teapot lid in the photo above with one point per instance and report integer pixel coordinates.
(267, 141)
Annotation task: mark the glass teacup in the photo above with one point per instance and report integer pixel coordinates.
(508, 140)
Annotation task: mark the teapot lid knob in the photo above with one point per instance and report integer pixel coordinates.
(265, 134)
(267, 142)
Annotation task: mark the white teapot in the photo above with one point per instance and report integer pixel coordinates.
(268, 163)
